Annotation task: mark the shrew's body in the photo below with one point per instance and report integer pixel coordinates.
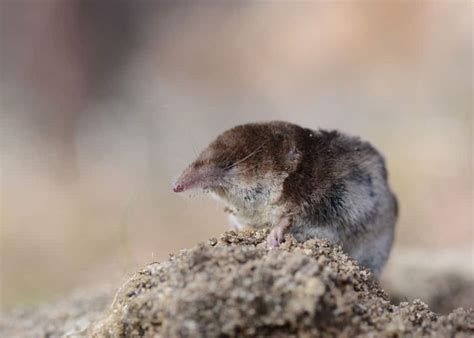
(313, 184)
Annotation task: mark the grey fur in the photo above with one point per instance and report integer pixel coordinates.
(312, 184)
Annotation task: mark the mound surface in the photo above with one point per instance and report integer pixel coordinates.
(234, 287)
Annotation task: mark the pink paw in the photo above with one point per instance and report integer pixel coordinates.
(275, 238)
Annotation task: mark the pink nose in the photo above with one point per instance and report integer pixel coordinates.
(178, 188)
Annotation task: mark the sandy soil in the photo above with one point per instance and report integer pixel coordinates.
(235, 287)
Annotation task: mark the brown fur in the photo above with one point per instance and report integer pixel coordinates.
(317, 183)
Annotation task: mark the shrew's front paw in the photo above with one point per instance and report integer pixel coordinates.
(276, 235)
(275, 238)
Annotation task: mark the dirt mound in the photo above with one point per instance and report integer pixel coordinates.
(235, 286)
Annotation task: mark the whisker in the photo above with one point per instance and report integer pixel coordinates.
(240, 171)
(246, 157)
(230, 155)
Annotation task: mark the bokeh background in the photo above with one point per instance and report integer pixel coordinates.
(103, 103)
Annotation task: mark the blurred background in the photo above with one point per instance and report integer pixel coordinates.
(103, 103)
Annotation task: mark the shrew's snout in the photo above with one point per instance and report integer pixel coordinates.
(203, 176)
(179, 187)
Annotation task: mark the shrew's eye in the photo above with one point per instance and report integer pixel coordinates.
(224, 165)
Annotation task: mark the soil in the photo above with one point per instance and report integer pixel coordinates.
(69, 317)
(235, 287)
